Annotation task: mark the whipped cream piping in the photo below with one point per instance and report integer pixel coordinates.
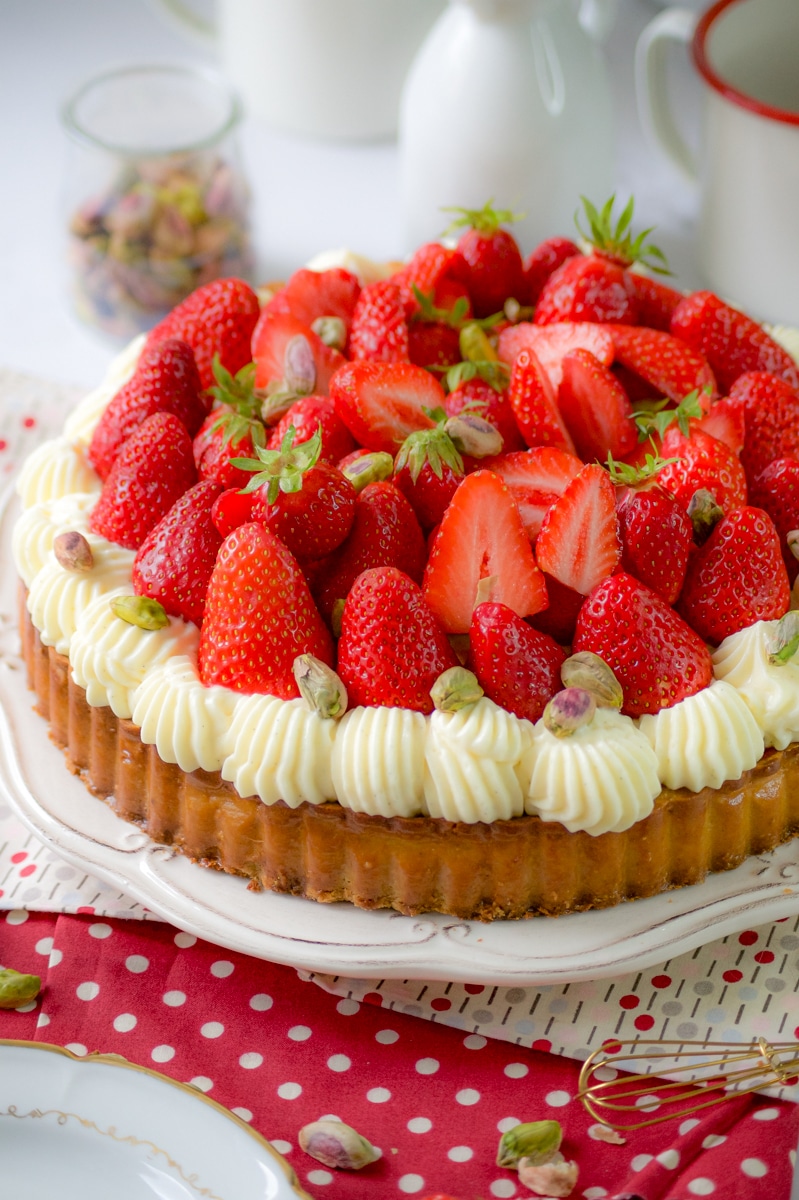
(771, 692)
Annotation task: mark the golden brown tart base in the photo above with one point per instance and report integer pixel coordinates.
(509, 869)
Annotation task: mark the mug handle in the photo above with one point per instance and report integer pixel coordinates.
(651, 85)
(187, 21)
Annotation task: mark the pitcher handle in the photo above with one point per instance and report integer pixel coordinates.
(652, 90)
(184, 17)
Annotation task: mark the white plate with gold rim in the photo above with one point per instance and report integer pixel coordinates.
(339, 939)
(88, 1128)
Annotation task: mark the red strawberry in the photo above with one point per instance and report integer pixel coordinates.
(392, 649)
(545, 259)
(384, 533)
(246, 642)
(770, 409)
(152, 470)
(655, 301)
(737, 577)
(492, 405)
(379, 330)
(481, 537)
(731, 342)
(308, 504)
(776, 491)
(433, 344)
(595, 408)
(656, 539)
(217, 318)
(381, 403)
(586, 287)
(725, 420)
(579, 539)
(165, 380)
(495, 267)
(291, 361)
(174, 562)
(307, 415)
(668, 365)
(656, 657)
(226, 435)
(439, 274)
(702, 462)
(428, 470)
(534, 404)
(517, 667)
(536, 478)
(560, 617)
(312, 295)
(231, 509)
(551, 344)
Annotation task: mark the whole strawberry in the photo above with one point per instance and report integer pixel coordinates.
(166, 379)
(737, 577)
(428, 471)
(656, 538)
(174, 562)
(702, 461)
(731, 341)
(152, 470)
(494, 261)
(770, 408)
(776, 490)
(477, 395)
(543, 262)
(216, 319)
(392, 649)
(517, 667)
(232, 429)
(308, 414)
(379, 331)
(246, 641)
(656, 657)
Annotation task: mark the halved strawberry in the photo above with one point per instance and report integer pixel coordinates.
(311, 295)
(536, 478)
(516, 666)
(725, 420)
(731, 341)
(667, 364)
(379, 330)
(737, 577)
(174, 562)
(534, 404)
(291, 361)
(702, 462)
(656, 657)
(381, 403)
(481, 552)
(595, 408)
(216, 319)
(579, 539)
(771, 419)
(246, 642)
(392, 648)
(551, 343)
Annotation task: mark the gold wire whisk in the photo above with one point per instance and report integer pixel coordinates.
(735, 1071)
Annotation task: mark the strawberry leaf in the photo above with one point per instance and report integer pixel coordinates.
(614, 241)
(626, 475)
(656, 418)
(485, 220)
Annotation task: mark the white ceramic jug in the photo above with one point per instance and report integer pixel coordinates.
(508, 100)
(317, 68)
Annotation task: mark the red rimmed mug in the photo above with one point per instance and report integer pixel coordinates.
(746, 55)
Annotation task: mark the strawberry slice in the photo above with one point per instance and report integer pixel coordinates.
(702, 462)
(311, 295)
(536, 478)
(534, 404)
(579, 539)
(291, 361)
(516, 666)
(481, 538)
(770, 409)
(726, 421)
(246, 642)
(151, 472)
(381, 403)
(174, 562)
(667, 364)
(737, 577)
(379, 330)
(731, 341)
(392, 648)
(596, 409)
(551, 343)
(656, 657)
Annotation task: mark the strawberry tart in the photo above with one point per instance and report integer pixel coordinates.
(458, 585)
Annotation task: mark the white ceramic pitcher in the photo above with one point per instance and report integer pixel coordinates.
(509, 100)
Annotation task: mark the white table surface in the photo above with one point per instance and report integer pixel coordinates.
(47, 47)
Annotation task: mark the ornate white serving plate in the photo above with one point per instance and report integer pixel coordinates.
(340, 939)
(87, 1128)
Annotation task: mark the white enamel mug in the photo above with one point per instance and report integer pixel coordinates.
(746, 55)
